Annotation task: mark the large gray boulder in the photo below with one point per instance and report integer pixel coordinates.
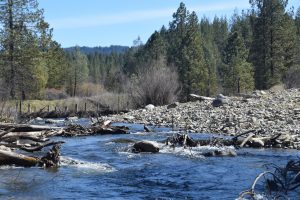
(150, 107)
(220, 100)
(221, 153)
(145, 146)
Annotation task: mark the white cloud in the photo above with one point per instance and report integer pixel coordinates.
(137, 16)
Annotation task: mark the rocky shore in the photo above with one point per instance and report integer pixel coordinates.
(269, 113)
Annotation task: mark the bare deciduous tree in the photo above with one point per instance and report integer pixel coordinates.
(155, 84)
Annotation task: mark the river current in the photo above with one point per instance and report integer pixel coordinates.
(98, 167)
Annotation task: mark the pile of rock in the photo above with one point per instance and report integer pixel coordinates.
(272, 112)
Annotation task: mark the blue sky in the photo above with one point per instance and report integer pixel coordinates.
(119, 22)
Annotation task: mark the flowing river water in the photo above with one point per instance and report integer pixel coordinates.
(98, 167)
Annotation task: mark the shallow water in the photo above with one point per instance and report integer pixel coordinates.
(97, 168)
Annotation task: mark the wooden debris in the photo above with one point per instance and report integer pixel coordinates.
(279, 182)
(12, 158)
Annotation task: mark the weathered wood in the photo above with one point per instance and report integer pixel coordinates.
(200, 98)
(26, 127)
(40, 147)
(247, 139)
(12, 158)
(51, 159)
(6, 132)
(147, 129)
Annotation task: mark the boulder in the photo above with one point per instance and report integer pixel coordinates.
(145, 146)
(128, 117)
(220, 100)
(150, 107)
(221, 153)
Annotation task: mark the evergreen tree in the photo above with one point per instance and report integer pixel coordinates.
(238, 73)
(155, 47)
(242, 25)
(273, 45)
(56, 63)
(22, 61)
(297, 23)
(210, 51)
(77, 71)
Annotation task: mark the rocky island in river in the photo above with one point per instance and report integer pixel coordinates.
(269, 114)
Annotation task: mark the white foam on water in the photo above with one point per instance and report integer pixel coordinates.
(109, 143)
(140, 133)
(194, 152)
(129, 154)
(256, 196)
(87, 166)
(4, 167)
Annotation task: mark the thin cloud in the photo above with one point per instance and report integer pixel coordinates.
(136, 16)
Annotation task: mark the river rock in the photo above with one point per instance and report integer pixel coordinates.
(271, 113)
(146, 146)
(150, 107)
(173, 105)
(224, 152)
(220, 100)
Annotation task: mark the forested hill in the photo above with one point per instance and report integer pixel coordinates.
(101, 50)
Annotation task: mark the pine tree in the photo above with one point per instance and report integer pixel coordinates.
(297, 24)
(155, 47)
(77, 71)
(210, 51)
(22, 61)
(56, 63)
(238, 73)
(194, 72)
(273, 45)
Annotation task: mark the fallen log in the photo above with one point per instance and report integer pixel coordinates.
(250, 136)
(50, 160)
(40, 147)
(26, 127)
(3, 133)
(78, 130)
(12, 158)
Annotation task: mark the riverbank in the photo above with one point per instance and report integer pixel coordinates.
(271, 113)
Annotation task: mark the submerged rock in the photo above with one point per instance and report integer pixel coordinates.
(221, 153)
(146, 146)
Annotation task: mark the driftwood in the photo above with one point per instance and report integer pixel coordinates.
(27, 138)
(12, 158)
(278, 181)
(251, 140)
(147, 129)
(78, 130)
(195, 97)
(25, 127)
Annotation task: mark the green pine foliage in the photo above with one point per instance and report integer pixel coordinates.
(273, 49)
(238, 73)
(253, 50)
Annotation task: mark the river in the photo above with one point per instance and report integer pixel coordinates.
(96, 167)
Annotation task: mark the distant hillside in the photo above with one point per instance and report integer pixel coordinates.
(102, 50)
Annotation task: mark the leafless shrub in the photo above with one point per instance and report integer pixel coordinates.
(155, 84)
(292, 77)
(89, 89)
(113, 101)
